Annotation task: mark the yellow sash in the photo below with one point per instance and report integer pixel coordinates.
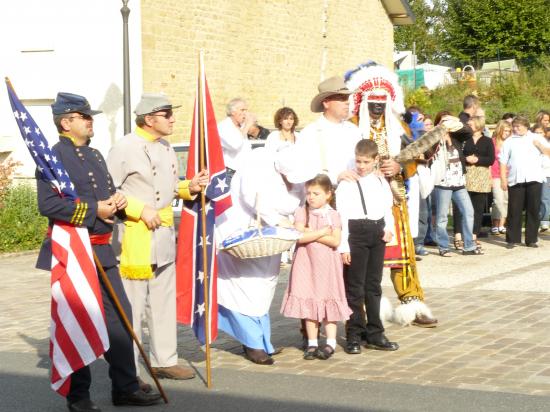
(135, 258)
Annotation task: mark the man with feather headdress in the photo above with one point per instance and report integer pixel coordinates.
(377, 103)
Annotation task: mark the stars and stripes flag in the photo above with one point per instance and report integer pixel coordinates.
(189, 259)
(78, 334)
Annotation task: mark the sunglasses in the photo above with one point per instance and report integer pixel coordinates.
(167, 114)
(82, 116)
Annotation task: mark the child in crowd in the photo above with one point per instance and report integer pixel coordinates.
(367, 225)
(315, 289)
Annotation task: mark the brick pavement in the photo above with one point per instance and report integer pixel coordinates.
(494, 314)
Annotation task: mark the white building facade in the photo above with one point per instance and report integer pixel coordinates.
(71, 46)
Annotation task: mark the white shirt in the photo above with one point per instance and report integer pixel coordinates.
(234, 144)
(524, 160)
(274, 143)
(378, 202)
(329, 147)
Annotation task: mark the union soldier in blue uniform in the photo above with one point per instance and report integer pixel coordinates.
(99, 202)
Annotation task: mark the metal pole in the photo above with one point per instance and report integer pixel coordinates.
(125, 11)
(414, 65)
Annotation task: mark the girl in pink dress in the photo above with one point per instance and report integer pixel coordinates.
(315, 289)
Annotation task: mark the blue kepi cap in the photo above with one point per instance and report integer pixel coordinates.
(72, 103)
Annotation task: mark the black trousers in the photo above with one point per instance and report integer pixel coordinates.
(120, 356)
(523, 196)
(479, 201)
(363, 277)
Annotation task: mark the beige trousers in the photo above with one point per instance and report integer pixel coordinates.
(154, 301)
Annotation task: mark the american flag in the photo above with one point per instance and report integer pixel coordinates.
(189, 259)
(78, 334)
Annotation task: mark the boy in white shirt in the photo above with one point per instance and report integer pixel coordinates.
(365, 207)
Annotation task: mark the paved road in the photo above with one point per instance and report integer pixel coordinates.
(490, 353)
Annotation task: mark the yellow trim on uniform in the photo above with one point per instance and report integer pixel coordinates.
(68, 137)
(145, 135)
(83, 213)
(183, 190)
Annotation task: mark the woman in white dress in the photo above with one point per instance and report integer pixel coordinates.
(285, 121)
(270, 184)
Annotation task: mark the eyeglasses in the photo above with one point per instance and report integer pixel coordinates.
(167, 115)
(82, 116)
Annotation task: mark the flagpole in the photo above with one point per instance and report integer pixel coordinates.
(127, 324)
(202, 150)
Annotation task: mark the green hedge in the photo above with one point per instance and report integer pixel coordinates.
(524, 93)
(22, 226)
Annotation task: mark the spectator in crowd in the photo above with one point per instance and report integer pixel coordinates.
(452, 187)
(470, 104)
(257, 132)
(538, 128)
(509, 117)
(233, 132)
(428, 123)
(543, 118)
(479, 153)
(285, 121)
(522, 174)
(545, 201)
(499, 208)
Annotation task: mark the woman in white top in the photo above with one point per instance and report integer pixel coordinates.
(268, 184)
(285, 121)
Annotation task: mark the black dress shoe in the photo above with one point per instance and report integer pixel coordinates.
(353, 347)
(137, 398)
(83, 405)
(382, 344)
(533, 245)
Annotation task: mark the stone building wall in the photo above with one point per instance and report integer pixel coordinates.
(270, 52)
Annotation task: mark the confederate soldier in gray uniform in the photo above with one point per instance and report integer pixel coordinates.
(145, 169)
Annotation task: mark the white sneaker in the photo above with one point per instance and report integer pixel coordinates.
(494, 231)
(502, 229)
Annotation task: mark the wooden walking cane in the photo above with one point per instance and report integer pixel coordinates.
(127, 324)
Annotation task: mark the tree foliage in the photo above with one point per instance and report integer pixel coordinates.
(488, 28)
(426, 32)
(469, 30)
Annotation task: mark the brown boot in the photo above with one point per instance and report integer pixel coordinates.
(174, 372)
(258, 356)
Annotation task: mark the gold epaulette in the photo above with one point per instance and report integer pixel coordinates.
(79, 213)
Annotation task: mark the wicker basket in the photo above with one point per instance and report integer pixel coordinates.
(260, 242)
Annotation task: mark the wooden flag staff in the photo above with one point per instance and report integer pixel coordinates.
(202, 152)
(127, 324)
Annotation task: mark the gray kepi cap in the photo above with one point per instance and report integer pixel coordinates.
(153, 102)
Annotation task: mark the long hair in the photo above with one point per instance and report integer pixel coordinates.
(324, 182)
(501, 126)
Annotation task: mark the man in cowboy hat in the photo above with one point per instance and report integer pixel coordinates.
(145, 169)
(329, 142)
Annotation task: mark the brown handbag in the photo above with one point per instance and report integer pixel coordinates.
(478, 179)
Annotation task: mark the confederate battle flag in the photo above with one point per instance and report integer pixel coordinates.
(190, 281)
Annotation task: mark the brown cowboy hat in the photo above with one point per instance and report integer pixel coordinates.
(329, 87)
